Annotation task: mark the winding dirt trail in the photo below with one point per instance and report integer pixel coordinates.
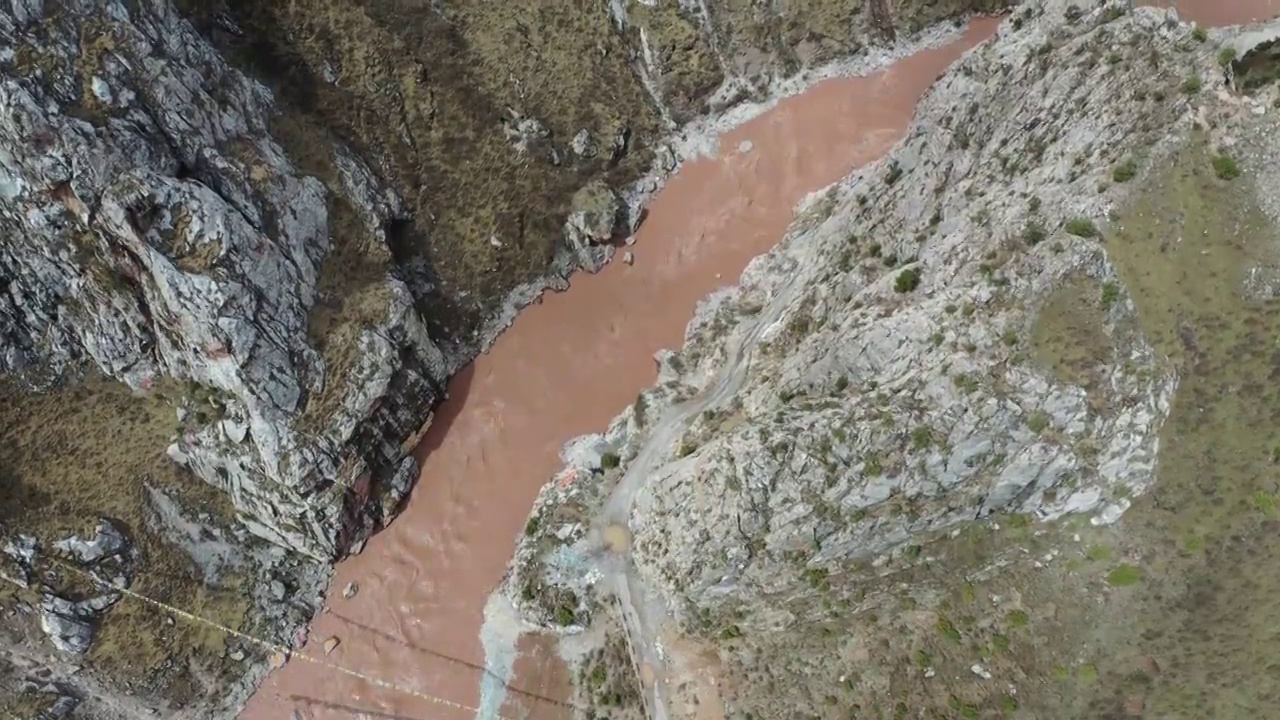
(565, 368)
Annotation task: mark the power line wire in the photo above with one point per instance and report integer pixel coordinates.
(288, 653)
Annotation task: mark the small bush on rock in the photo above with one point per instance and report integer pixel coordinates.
(1034, 234)
(1225, 167)
(907, 280)
(1125, 171)
(1081, 227)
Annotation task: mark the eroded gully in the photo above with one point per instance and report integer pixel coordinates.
(565, 368)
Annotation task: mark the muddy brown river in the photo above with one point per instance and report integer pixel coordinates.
(1217, 13)
(565, 368)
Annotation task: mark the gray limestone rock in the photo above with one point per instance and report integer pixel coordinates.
(594, 216)
(882, 379)
(69, 625)
(153, 228)
(876, 412)
(108, 541)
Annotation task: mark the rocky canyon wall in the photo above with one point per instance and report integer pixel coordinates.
(246, 243)
(909, 433)
(310, 259)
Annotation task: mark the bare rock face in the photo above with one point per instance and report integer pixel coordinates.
(932, 348)
(154, 228)
(157, 228)
(595, 212)
(943, 348)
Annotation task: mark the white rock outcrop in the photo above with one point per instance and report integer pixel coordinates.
(885, 405)
(154, 228)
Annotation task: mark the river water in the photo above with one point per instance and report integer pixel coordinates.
(565, 368)
(1217, 13)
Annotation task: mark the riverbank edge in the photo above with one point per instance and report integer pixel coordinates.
(581, 455)
(681, 377)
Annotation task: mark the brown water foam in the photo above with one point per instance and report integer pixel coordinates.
(565, 368)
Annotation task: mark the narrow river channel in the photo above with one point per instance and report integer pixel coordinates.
(565, 368)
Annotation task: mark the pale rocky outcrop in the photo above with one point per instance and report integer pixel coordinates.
(154, 228)
(888, 374)
(873, 415)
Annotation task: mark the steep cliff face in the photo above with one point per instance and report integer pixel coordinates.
(908, 434)
(170, 220)
(914, 379)
(155, 229)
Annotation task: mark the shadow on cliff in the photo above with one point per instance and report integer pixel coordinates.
(313, 116)
(442, 417)
(18, 497)
(446, 413)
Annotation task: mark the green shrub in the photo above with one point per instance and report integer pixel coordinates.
(1226, 56)
(531, 527)
(1225, 167)
(1125, 171)
(948, 630)
(1110, 294)
(1264, 502)
(871, 467)
(565, 616)
(907, 280)
(1081, 227)
(1199, 34)
(1124, 575)
(921, 437)
(817, 578)
(1192, 85)
(610, 460)
(1034, 234)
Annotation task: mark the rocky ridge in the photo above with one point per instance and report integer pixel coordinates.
(157, 231)
(946, 348)
(163, 231)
